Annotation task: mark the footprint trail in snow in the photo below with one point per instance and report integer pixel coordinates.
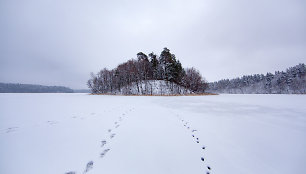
(196, 139)
(110, 131)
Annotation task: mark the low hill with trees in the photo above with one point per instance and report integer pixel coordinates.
(291, 81)
(29, 88)
(148, 75)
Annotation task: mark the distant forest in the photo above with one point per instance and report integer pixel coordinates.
(142, 74)
(291, 81)
(28, 88)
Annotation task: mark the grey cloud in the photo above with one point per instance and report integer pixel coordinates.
(57, 42)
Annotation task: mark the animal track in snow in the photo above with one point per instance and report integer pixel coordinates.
(89, 166)
(197, 141)
(52, 122)
(104, 153)
(103, 143)
(11, 129)
(112, 135)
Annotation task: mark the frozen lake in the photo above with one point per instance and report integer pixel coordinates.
(81, 133)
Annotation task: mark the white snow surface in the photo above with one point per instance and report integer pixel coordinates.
(153, 87)
(242, 134)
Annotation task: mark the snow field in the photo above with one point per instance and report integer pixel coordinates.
(80, 133)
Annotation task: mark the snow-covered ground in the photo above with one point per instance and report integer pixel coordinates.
(94, 134)
(150, 87)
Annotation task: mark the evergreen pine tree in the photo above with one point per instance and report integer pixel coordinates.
(154, 64)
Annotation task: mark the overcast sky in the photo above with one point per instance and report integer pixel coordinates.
(59, 42)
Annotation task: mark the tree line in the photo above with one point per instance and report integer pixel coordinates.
(291, 81)
(146, 68)
(29, 88)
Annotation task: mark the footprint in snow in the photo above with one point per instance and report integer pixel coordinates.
(112, 135)
(208, 167)
(203, 147)
(52, 122)
(104, 153)
(193, 130)
(71, 172)
(109, 130)
(89, 166)
(103, 143)
(11, 129)
(202, 158)
(117, 126)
